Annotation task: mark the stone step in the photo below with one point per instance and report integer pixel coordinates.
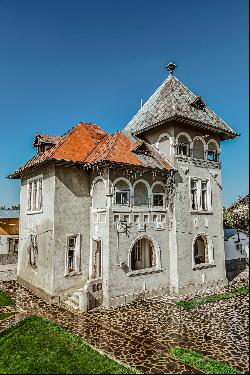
(73, 298)
(71, 304)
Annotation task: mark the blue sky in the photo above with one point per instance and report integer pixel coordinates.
(62, 62)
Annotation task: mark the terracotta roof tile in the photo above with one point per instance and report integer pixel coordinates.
(88, 143)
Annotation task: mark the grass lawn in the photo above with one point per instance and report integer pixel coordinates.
(4, 315)
(199, 362)
(5, 300)
(38, 346)
(190, 304)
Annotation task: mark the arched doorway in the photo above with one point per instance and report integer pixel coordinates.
(142, 255)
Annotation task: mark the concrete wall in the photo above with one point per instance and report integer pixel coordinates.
(40, 279)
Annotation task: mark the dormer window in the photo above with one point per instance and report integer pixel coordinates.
(44, 142)
(198, 103)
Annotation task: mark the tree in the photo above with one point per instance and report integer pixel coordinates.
(237, 215)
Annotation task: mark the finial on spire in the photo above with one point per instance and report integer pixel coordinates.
(171, 67)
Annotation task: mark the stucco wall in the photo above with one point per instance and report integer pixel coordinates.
(118, 281)
(71, 215)
(185, 224)
(41, 224)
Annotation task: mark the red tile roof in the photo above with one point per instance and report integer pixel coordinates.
(88, 143)
(116, 148)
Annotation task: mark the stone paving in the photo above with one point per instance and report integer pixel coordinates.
(140, 334)
(8, 272)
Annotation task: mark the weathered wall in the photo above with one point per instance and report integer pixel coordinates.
(120, 285)
(42, 224)
(186, 225)
(208, 224)
(71, 216)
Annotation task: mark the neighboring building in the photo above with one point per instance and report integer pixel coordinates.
(236, 251)
(112, 218)
(9, 232)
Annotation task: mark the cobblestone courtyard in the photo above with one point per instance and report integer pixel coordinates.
(141, 333)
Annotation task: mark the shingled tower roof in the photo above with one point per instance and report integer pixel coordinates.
(174, 101)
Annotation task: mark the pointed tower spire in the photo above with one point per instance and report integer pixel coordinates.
(171, 67)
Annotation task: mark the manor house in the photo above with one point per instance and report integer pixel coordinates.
(107, 219)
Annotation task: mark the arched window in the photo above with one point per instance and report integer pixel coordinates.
(141, 194)
(201, 250)
(121, 193)
(198, 149)
(183, 145)
(142, 255)
(158, 195)
(99, 194)
(212, 152)
(163, 144)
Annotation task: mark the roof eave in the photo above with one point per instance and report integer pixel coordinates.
(227, 134)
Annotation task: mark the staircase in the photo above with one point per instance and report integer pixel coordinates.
(72, 302)
(91, 297)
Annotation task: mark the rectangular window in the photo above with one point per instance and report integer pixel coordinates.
(194, 194)
(158, 200)
(136, 218)
(73, 254)
(204, 196)
(201, 197)
(40, 195)
(162, 218)
(35, 199)
(146, 219)
(126, 218)
(154, 218)
(116, 218)
(29, 195)
(122, 198)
